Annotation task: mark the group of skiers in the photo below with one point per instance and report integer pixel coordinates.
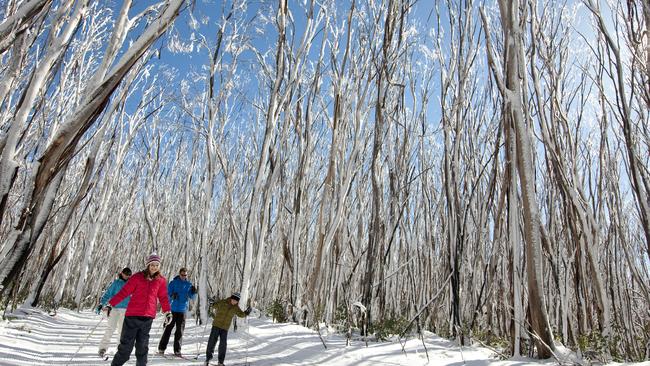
(130, 303)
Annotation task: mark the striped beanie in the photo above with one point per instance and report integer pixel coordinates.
(153, 257)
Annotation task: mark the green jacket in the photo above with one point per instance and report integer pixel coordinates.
(223, 313)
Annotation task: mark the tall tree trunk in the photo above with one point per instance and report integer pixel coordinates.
(639, 176)
(513, 19)
(17, 23)
(271, 117)
(55, 157)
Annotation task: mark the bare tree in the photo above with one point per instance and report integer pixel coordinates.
(513, 20)
(66, 138)
(630, 117)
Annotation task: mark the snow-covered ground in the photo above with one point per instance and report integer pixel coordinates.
(71, 338)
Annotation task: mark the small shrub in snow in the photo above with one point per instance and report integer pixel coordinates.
(388, 327)
(341, 315)
(276, 311)
(488, 338)
(595, 347)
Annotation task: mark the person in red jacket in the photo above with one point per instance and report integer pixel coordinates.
(146, 288)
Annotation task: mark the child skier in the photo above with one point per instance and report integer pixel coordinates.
(223, 310)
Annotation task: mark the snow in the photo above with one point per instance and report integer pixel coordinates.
(33, 337)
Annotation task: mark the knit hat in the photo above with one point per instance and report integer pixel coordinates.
(127, 271)
(152, 258)
(235, 296)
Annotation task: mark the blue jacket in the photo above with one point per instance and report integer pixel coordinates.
(114, 288)
(179, 294)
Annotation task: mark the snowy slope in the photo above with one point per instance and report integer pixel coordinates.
(39, 339)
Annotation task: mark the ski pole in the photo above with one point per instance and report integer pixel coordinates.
(248, 334)
(196, 336)
(198, 351)
(247, 340)
(86, 340)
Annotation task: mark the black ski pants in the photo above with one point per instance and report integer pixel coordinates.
(222, 335)
(135, 330)
(178, 321)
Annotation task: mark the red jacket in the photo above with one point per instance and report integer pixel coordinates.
(143, 293)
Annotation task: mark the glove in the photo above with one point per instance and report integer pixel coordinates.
(193, 290)
(98, 309)
(248, 310)
(168, 318)
(108, 309)
(174, 296)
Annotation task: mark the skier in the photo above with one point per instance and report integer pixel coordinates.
(116, 316)
(180, 291)
(144, 287)
(223, 310)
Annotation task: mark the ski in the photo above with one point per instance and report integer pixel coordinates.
(230, 364)
(171, 357)
(188, 358)
(178, 358)
(201, 357)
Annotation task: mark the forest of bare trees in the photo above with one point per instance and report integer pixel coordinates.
(478, 169)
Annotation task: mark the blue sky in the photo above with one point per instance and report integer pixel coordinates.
(201, 17)
(206, 13)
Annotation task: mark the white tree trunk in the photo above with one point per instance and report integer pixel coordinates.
(72, 129)
(262, 168)
(15, 24)
(56, 46)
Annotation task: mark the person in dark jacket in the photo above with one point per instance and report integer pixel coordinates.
(116, 317)
(146, 288)
(223, 311)
(180, 291)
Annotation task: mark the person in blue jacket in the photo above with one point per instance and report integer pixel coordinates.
(180, 291)
(116, 316)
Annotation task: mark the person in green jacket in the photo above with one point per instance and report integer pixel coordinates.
(223, 310)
